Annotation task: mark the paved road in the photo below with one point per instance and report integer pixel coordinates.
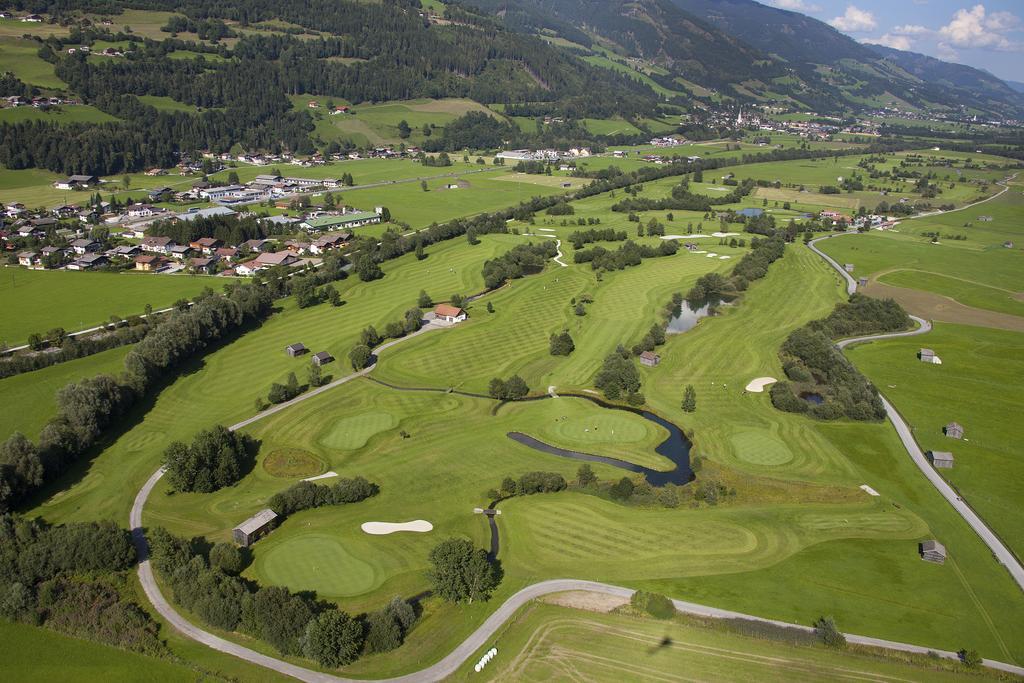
(998, 548)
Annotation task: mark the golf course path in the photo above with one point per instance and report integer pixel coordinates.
(998, 548)
(558, 256)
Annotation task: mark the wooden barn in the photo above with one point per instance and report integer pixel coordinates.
(254, 528)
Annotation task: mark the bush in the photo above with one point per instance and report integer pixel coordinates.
(306, 494)
(618, 375)
(227, 557)
(970, 658)
(828, 633)
(539, 482)
(655, 604)
(388, 627)
(622, 489)
(562, 344)
(332, 639)
(360, 356)
(512, 389)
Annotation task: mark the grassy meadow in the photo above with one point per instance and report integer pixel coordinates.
(37, 301)
(547, 642)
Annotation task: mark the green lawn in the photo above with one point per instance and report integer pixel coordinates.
(980, 382)
(79, 660)
(166, 103)
(547, 642)
(41, 300)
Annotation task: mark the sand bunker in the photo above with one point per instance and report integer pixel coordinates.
(724, 234)
(868, 490)
(756, 386)
(712, 255)
(722, 258)
(384, 528)
(325, 475)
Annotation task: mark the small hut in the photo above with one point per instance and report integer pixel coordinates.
(322, 358)
(954, 430)
(649, 358)
(848, 267)
(254, 528)
(926, 356)
(294, 350)
(942, 460)
(933, 551)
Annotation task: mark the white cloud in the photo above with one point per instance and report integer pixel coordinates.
(855, 19)
(972, 28)
(910, 30)
(890, 40)
(796, 5)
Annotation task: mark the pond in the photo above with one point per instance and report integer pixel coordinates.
(811, 397)
(690, 314)
(676, 447)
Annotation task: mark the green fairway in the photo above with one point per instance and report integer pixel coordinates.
(80, 661)
(980, 382)
(546, 642)
(38, 301)
(352, 432)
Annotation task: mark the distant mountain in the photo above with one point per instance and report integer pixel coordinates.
(862, 72)
(791, 36)
(937, 72)
(656, 31)
(1019, 87)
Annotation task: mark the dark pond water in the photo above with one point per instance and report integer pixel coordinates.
(811, 397)
(690, 313)
(676, 447)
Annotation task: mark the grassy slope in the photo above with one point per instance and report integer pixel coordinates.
(980, 382)
(79, 660)
(548, 642)
(81, 113)
(33, 392)
(37, 301)
(20, 56)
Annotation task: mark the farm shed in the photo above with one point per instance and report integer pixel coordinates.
(254, 528)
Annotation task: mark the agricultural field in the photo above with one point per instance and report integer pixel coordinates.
(977, 272)
(377, 124)
(20, 57)
(553, 639)
(980, 382)
(79, 113)
(38, 301)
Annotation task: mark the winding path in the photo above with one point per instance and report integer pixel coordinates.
(483, 634)
(1003, 554)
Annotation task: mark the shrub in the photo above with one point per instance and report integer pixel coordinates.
(216, 458)
(332, 639)
(461, 572)
(828, 633)
(655, 604)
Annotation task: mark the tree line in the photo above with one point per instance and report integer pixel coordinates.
(86, 408)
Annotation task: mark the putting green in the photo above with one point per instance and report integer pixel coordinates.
(316, 562)
(760, 447)
(354, 431)
(595, 428)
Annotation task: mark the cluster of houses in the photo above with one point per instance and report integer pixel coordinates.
(40, 102)
(544, 154)
(876, 221)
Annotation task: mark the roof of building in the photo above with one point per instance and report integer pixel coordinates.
(276, 258)
(157, 241)
(323, 356)
(933, 546)
(954, 426)
(85, 242)
(207, 241)
(944, 456)
(649, 355)
(257, 521)
(296, 347)
(927, 352)
(448, 311)
(205, 213)
(343, 219)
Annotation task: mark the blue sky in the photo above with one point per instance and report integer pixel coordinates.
(988, 34)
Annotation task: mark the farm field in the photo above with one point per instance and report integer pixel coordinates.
(377, 124)
(554, 642)
(980, 382)
(38, 301)
(80, 661)
(977, 271)
(33, 392)
(20, 57)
